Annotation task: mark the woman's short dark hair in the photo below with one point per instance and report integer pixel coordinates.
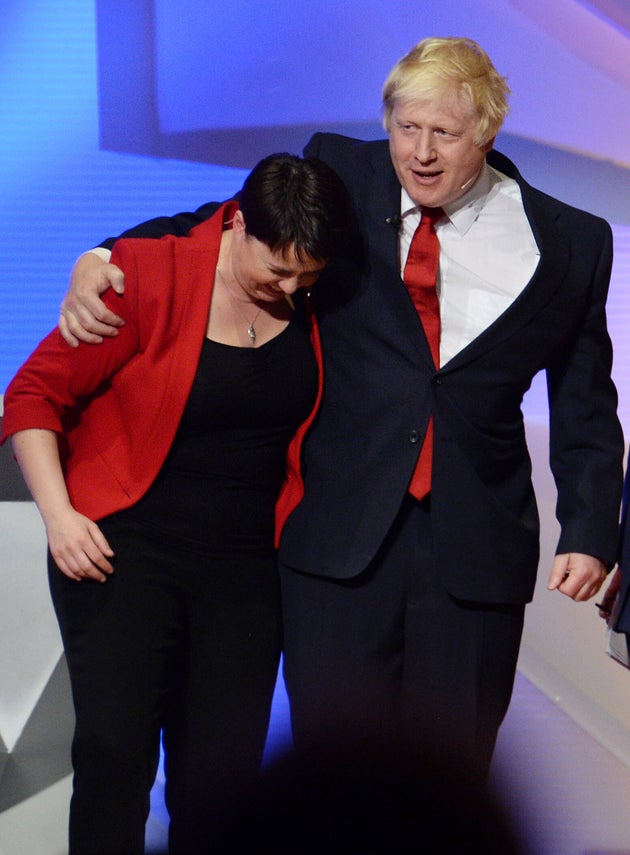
(290, 202)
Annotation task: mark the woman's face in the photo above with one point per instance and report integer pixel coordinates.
(267, 276)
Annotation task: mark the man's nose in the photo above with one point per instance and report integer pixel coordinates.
(425, 147)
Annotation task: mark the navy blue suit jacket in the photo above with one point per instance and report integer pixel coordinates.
(381, 387)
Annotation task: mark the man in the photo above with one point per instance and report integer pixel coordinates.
(404, 608)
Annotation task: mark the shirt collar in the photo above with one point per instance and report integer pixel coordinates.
(463, 211)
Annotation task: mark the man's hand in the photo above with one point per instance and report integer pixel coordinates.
(84, 316)
(577, 575)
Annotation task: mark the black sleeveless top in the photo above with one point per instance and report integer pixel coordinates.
(218, 486)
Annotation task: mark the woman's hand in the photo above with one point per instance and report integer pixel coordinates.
(79, 547)
(77, 544)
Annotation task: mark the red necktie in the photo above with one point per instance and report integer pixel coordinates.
(420, 276)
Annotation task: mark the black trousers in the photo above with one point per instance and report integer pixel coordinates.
(176, 643)
(391, 656)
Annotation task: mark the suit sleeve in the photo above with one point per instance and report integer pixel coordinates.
(586, 440)
(179, 225)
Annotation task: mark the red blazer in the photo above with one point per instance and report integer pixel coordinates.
(117, 406)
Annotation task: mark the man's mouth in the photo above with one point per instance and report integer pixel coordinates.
(426, 177)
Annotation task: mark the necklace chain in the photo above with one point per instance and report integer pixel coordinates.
(251, 330)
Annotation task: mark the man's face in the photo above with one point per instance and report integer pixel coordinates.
(431, 143)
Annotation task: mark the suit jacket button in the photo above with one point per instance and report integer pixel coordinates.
(437, 381)
(414, 436)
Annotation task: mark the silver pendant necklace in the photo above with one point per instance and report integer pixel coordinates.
(251, 332)
(251, 329)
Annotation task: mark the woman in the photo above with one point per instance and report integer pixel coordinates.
(156, 461)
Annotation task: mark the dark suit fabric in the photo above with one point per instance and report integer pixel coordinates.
(623, 617)
(481, 526)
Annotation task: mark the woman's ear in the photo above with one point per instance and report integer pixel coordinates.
(238, 222)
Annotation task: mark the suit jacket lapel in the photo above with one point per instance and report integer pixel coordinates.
(380, 213)
(381, 201)
(547, 278)
(382, 205)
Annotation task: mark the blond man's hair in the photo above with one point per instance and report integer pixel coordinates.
(437, 67)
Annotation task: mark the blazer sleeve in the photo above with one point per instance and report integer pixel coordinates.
(57, 378)
(586, 439)
(178, 224)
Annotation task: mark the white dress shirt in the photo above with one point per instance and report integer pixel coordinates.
(487, 256)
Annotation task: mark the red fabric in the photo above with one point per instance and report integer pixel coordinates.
(420, 277)
(115, 439)
(292, 490)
